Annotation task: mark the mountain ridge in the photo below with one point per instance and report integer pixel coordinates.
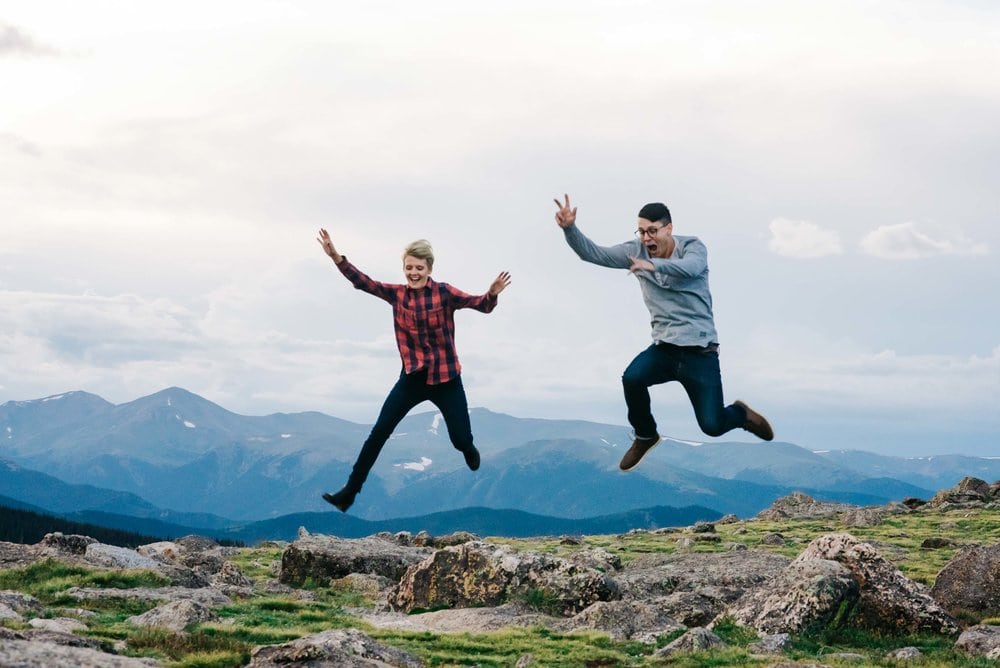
(176, 450)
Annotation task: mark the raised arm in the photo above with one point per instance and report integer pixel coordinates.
(484, 303)
(617, 257)
(358, 278)
(328, 248)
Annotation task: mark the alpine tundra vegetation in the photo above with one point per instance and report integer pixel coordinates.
(804, 583)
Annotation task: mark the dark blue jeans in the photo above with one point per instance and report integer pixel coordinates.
(697, 369)
(409, 391)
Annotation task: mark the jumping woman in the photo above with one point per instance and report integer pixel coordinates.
(423, 313)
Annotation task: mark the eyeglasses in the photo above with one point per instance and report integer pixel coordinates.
(648, 231)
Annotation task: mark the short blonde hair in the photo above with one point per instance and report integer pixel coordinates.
(421, 249)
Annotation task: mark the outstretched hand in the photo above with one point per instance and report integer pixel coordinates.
(327, 244)
(639, 264)
(566, 215)
(500, 283)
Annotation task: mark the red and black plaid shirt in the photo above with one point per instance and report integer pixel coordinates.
(424, 320)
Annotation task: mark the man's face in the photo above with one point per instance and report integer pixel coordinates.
(656, 237)
(416, 272)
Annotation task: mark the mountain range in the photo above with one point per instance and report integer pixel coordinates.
(177, 458)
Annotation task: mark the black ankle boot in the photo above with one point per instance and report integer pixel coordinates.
(471, 458)
(343, 499)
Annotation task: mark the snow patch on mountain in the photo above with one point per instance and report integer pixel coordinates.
(693, 444)
(435, 423)
(416, 466)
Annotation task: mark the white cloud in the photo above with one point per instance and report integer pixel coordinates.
(802, 239)
(905, 242)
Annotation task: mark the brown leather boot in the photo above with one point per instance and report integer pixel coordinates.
(343, 499)
(756, 423)
(640, 446)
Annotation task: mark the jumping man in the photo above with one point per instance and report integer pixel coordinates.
(673, 276)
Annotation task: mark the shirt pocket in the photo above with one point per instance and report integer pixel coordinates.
(406, 319)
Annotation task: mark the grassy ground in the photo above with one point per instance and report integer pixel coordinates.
(275, 619)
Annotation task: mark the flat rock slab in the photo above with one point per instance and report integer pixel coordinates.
(34, 654)
(323, 558)
(333, 649)
(205, 596)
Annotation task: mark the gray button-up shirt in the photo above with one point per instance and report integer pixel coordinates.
(676, 294)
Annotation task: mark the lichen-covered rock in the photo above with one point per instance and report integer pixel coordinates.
(58, 624)
(771, 643)
(477, 574)
(807, 593)
(369, 586)
(332, 649)
(798, 505)
(862, 517)
(205, 596)
(970, 582)
(979, 640)
(969, 490)
(626, 620)
(887, 600)
(14, 555)
(694, 640)
(722, 576)
(905, 654)
(21, 603)
(467, 620)
(230, 576)
(58, 544)
(323, 558)
(597, 558)
(176, 615)
(34, 653)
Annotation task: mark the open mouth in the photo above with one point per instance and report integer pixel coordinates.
(651, 247)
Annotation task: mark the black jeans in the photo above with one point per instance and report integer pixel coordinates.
(697, 369)
(409, 391)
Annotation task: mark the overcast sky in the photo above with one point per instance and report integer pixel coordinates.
(164, 169)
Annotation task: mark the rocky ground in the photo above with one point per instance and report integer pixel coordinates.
(804, 583)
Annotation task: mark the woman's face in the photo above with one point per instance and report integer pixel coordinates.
(416, 272)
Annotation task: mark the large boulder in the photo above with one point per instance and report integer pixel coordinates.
(798, 505)
(57, 544)
(626, 620)
(476, 574)
(694, 640)
(968, 491)
(887, 600)
(806, 594)
(322, 558)
(721, 577)
(21, 603)
(332, 649)
(112, 556)
(980, 640)
(205, 596)
(15, 555)
(38, 654)
(862, 517)
(970, 582)
(176, 615)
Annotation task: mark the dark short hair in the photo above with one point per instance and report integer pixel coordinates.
(654, 212)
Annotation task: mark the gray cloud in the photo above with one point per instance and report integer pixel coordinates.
(14, 41)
